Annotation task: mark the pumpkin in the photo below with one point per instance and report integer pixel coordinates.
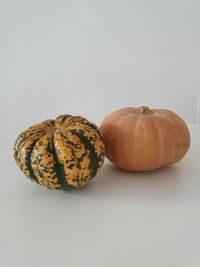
(143, 139)
(65, 153)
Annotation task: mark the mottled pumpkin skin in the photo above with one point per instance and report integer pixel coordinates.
(65, 153)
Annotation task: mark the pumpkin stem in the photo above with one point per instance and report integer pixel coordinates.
(144, 110)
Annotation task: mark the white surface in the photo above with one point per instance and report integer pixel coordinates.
(120, 219)
(61, 55)
(198, 110)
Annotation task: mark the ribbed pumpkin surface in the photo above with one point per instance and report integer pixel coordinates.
(65, 153)
(143, 139)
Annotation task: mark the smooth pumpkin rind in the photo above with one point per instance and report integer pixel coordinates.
(141, 139)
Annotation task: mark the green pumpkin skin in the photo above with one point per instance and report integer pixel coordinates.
(65, 153)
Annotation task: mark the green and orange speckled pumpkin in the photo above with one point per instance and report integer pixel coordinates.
(65, 153)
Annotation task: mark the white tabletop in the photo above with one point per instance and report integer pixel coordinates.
(120, 219)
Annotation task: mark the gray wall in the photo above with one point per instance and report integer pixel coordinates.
(92, 57)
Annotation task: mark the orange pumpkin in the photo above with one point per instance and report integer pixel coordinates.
(142, 139)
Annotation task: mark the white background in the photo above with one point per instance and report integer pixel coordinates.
(92, 57)
(89, 58)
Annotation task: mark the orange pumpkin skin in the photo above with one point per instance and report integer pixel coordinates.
(143, 139)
